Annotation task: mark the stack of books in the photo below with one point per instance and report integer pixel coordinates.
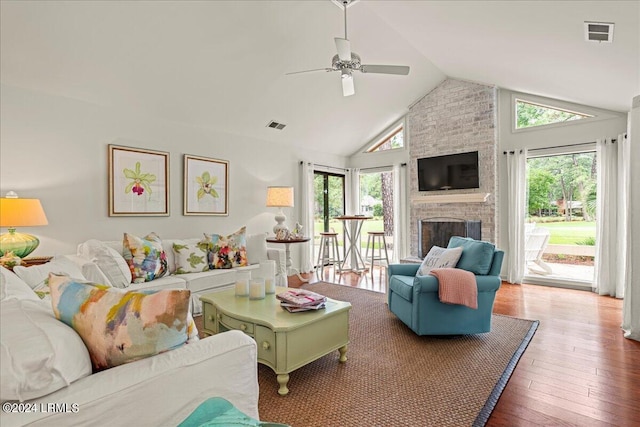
(295, 300)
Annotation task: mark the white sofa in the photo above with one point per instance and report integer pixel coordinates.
(197, 283)
(43, 359)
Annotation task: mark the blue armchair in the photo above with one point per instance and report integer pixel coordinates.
(414, 299)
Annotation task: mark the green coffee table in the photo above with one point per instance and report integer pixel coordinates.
(286, 341)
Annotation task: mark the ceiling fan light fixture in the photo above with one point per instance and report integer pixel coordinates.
(347, 74)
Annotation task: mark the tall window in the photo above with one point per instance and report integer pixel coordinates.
(391, 141)
(530, 114)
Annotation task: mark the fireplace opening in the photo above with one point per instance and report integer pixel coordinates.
(438, 231)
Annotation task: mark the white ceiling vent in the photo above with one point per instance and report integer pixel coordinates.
(275, 125)
(601, 32)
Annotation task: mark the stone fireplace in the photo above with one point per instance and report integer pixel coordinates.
(456, 117)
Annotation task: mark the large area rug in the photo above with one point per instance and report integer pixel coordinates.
(394, 377)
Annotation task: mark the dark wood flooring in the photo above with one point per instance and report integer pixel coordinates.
(578, 370)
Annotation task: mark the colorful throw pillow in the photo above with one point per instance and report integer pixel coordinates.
(191, 257)
(119, 326)
(145, 256)
(439, 258)
(477, 255)
(228, 251)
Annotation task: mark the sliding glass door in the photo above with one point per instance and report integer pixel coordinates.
(560, 229)
(329, 202)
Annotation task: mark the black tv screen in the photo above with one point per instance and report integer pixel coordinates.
(450, 172)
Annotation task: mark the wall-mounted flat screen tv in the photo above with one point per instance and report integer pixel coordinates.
(450, 172)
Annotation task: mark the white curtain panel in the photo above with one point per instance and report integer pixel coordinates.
(631, 304)
(611, 224)
(306, 214)
(353, 191)
(399, 213)
(517, 197)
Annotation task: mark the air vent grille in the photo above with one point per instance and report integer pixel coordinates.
(275, 125)
(601, 32)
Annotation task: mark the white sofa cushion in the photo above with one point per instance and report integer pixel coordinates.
(11, 286)
(256, 248)
(161, 390)
(36, 275)
(39, 353)
(108, 260)
(166, 282)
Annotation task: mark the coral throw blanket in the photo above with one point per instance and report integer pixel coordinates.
(457, 286)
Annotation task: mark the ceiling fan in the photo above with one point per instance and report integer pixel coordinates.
(346, 61)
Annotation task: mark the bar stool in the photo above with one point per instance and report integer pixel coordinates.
(373, 238)
(328, 252)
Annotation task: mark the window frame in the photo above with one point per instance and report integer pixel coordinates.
(595, 114)
(584, 116)
(374, 148)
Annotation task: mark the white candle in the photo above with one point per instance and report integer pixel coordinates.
(268, 269)
(242, 283)
(270, 285)
(256, 288)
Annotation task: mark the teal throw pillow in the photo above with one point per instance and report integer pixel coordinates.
(477, 255)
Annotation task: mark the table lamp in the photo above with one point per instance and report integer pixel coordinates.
(16, 212)
(280, 197)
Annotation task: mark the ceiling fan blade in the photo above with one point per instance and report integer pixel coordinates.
(343, 46)
(308, 71)
(385, 69)
(347, 85)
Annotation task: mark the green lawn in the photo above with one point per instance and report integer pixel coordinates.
(570, 233)
(562, 233)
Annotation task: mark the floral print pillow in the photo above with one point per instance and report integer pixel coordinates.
(145, 257)
(228, 251)
(191, 257)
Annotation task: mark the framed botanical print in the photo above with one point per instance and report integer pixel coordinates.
(138, 182)
(206, 186)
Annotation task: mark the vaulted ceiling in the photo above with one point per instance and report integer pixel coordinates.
(223, 64)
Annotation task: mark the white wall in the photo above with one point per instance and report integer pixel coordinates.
(55, 149)
(608, 124)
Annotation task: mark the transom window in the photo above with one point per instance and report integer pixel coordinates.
(391, 141)
(530, 114)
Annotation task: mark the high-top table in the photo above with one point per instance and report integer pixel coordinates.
(352, 226)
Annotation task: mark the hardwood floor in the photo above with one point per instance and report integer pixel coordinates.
(578, 370)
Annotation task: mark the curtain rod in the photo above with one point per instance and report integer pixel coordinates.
(383, 166)
(325, 166)
(556, 146)
(343, 169)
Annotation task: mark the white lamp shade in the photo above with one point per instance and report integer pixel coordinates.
(279, 197)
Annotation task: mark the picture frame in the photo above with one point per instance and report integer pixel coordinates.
(138, 181)
(206, 186)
